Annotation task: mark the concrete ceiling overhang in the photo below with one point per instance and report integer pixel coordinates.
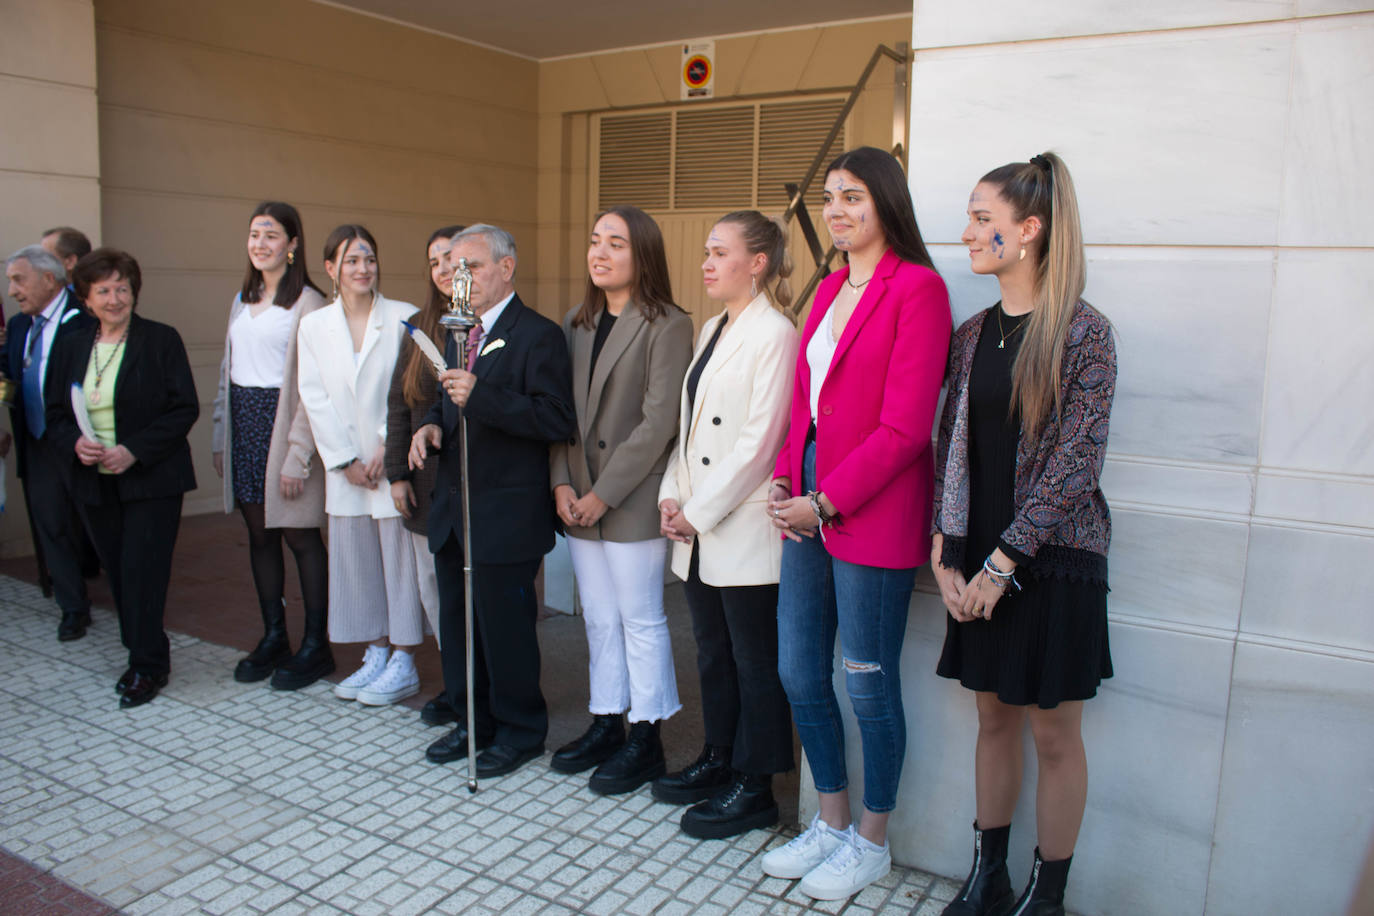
(543, 29)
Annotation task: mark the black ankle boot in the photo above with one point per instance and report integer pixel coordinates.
(987, 889)
(603, 737)
(313, 661)
(746, 804)
(639, 760)
(697, 781)
(273, 649)
(1044, 896)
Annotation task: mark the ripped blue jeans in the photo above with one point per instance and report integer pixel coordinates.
(867, 605)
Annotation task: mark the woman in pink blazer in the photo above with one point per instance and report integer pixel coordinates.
(852, 493)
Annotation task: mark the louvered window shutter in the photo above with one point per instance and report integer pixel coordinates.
(635, 160)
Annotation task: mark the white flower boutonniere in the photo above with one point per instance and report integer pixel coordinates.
(496, 344)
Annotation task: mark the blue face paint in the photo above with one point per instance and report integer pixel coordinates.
(999, 245)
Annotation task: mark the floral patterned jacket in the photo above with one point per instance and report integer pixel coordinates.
(1061, 525)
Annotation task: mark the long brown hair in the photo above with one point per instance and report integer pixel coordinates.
(763, 235)
(337, 245)
(417, 380)
(651, 288)
(296, 278)
(1042, 188)
(886, 182)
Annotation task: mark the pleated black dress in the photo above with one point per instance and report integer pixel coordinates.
(1048, 642)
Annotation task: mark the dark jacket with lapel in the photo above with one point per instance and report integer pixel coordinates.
(522, 402)
(155, 407)
(71, 318)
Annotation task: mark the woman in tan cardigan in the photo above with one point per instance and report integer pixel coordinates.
(264, 450)
(630, 347)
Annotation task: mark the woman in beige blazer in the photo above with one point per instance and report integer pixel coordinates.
(264, 451)
(734, 417)
(348, 350)
(630, 346)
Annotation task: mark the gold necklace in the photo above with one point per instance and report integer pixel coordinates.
(100, 369)
(1002, 344)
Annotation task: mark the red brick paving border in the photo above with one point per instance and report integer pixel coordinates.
(26, 890)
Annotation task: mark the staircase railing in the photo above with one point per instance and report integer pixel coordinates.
(796, 207)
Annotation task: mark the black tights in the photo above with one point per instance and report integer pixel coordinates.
(269, 569)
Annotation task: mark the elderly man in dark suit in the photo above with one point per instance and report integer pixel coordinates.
(517, 395)
(49, 311)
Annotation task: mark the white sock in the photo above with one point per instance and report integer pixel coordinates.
(866, 844)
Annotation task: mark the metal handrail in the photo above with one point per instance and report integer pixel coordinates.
(798, 197)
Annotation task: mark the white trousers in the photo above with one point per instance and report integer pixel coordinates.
(374, 592)
(621, 587)
(429, 581)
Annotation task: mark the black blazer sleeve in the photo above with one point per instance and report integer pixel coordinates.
(162, 376)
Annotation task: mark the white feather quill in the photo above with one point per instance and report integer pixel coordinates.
(427, 347)
(83, 416)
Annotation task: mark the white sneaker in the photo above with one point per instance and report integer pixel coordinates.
(854, 865)
(398, 681)
(374, 662)
(805, 852)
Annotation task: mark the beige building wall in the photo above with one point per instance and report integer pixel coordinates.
(49, 152)
(208, 108)
(820, 60)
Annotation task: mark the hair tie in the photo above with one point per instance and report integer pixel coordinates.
(1043, 164)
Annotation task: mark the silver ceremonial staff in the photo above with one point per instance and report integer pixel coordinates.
(460, 319)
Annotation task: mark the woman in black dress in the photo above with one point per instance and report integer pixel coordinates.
(1021, 525)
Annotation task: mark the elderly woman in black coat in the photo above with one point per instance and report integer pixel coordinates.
(131, 464)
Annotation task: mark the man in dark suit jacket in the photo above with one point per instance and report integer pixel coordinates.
(49, 311)
(517, 399)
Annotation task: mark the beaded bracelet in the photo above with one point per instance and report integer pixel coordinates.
(1002, 579)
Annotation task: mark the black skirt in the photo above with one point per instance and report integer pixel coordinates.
(252, 413)
(1047, 643)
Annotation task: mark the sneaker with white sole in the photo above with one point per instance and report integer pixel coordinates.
(805, 851)
(374, 663)
(854, 865)
(398, 681)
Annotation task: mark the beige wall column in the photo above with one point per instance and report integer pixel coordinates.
(49, 152)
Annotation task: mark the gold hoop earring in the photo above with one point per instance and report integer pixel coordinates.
(753, 286)
(291, 257)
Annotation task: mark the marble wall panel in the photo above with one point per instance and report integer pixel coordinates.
(1309, 585)
(1154, 742)
(937, 23)
(1331, 7)
(1297, 788)
(1319, 372)
(1328, 189)
(1173, 138)
(50, 128)
(54, 41)
(1312, 498)
(1177, 568)
(1199, 488)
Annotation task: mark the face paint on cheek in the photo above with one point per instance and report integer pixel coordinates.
(999, 245)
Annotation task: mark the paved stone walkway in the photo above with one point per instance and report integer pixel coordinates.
(220, 797)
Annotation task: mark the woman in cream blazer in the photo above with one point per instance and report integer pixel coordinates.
(264, 451)
(733, 418)
(347, 352)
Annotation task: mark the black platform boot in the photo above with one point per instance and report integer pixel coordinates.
(699, 780)
(273, 649)
(987, 889)
(603, 738)
(314, 660)
(1044, 896)
(637, 762)
(746, 804)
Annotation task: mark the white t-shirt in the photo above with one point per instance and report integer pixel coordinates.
(820, 351)
(257, 347)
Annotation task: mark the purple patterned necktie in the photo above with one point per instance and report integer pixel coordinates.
(474, 343)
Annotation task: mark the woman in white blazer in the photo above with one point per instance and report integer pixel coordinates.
(733, 419)
(347, 352)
